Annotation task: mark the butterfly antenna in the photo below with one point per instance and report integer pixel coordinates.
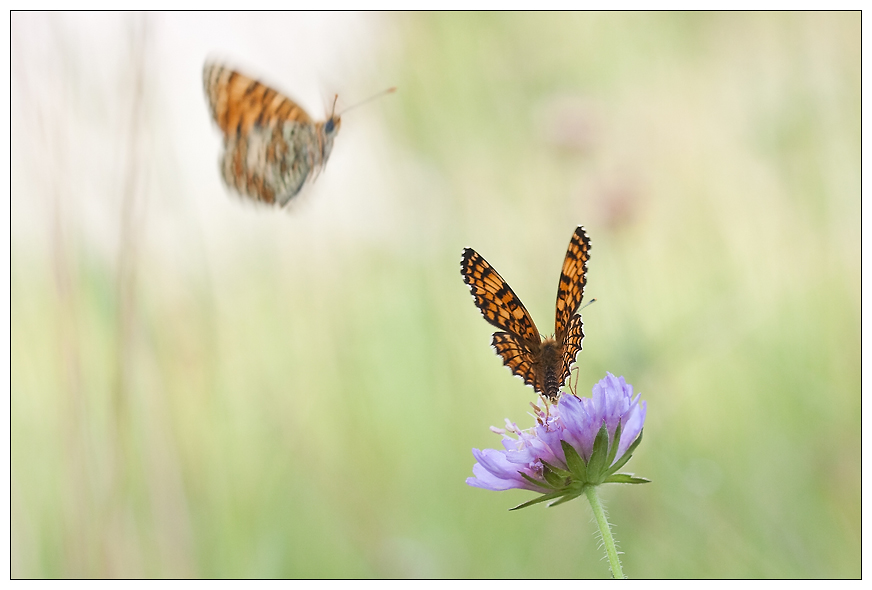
(371, 98)
(333, 111)
(586, 304)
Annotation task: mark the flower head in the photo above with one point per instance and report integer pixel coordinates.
(577, 443)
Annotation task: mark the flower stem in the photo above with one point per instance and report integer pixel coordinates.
(609, 541)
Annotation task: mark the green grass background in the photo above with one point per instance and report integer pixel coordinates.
(290, 399)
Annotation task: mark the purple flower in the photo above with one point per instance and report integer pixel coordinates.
(578, 442)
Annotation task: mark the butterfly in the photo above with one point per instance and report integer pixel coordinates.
(543, 363)
(271, 145)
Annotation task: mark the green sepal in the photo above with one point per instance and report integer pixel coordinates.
(554, 469)
(625, 478)
(542, 498)
(598, 456)
(553, 477)
(574, 462)
(558, 478)
(626, 456)
(614, 448)
(567, 497)
(536, 482)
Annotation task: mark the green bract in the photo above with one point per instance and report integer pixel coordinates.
(568, 485)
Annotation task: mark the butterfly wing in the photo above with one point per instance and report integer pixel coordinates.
(495, 299)
(268, 164)
(570, 290)
(571, 345)
(516, 356)
(239, 103)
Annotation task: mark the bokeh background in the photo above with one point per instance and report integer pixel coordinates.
(206, 387)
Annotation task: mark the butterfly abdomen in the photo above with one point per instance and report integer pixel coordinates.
(549, 363)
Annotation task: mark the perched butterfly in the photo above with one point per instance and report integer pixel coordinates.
(543, 363)
(271, 146)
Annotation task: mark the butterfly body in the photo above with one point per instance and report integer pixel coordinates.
(543, 363)
(271, 146)
(548, 364)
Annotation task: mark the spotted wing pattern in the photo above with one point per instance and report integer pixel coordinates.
(516, 356)
(570, 290)
(495, 299)
(271, 146)
(240, 103)
(571, 345)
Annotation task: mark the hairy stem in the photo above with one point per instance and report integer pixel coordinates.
(608, 540)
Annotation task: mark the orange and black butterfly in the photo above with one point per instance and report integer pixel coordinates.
(271, 146)
(543, 363)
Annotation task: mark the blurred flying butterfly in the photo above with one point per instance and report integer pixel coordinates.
(543, 363)
(271, 145)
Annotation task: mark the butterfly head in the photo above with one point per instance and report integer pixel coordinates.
(328, 131)
(331, 128)
(332, 125)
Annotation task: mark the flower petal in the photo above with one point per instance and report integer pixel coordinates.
(573, 421)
